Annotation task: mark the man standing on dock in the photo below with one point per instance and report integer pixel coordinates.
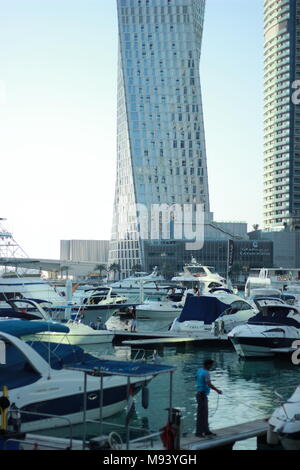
(203, 389)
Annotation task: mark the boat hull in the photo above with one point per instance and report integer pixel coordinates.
(154, 314)
(91, 313)
(68, 409)
(260, 347)
(77, 339)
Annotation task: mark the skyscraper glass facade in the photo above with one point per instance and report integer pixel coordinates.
(161, 154)
(282, 116)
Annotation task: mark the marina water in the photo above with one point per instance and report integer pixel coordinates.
(249, 388)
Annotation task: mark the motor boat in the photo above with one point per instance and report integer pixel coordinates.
(94, 302)
(155, 310)
(101, 301)
(284, 424)
(78, 334)
(140, 286)
(201, 277)
(162, 309)
(238, 313)
(200, 312)
(150, 281)
(40, 381)
(275, 327)
(28, 287)
(101, 296)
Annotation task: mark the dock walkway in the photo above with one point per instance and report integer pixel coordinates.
(225, 438)
(152, 338)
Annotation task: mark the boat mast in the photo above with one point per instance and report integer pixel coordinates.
(9, 248)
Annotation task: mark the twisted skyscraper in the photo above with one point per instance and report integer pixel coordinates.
(161, 154)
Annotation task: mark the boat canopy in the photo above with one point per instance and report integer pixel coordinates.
(21, 328)
(203, 308)
(127, 369)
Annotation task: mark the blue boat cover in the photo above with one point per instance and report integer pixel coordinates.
(73, 357)
(128, 369)
(20, 328)
(203, 308)
(60, 355)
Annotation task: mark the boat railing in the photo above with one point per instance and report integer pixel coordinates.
(139, 354)
(35, 445)
(145, 355)
(47, 415)
(149, 435)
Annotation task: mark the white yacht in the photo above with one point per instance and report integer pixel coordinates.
(275, 327)
(200, 312)
(141, 285)
(37, 379)
(202, 277)
(284, 424)
(33, 287)
(99, 302)
(160, 310)
(95, 302)
(150, 281)
(238, 313)
(78, 334)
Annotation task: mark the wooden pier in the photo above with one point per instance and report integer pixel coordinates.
(225, 438)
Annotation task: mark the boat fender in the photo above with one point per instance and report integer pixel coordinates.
(145, 397)
(272, 437)
(4, 405)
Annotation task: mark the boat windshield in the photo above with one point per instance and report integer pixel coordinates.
(195, 270)
(279, 315)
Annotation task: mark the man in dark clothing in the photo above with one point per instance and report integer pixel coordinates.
(203, 389)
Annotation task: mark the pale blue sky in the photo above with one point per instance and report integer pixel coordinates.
(58, 62)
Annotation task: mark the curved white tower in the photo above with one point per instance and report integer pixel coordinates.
(161, 154)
